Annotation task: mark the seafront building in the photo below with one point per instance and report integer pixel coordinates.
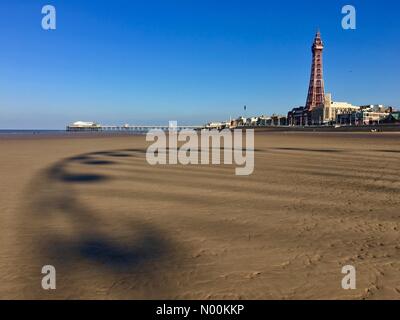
(251, 122)
(373, 114)
(84, 126)
(392, 118)
(330, 110)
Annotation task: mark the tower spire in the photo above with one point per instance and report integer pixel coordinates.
(316, 91)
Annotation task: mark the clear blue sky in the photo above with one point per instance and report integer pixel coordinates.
(141, 62)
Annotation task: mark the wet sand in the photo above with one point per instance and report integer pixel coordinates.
(117, 228)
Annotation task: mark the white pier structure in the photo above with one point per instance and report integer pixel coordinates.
(94, 127)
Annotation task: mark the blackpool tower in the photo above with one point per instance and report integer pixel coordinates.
(316, 93)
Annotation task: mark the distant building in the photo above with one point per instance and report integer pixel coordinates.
(264, 121)
(371, 116)
(278, 120)
(392, 118)
(274, 120)
(346, 119)
(368, 115)
(215, 125)
(297, 117)
(83, 126)
(251, 122)
(240, 122)
(329, 111)
(376, 108)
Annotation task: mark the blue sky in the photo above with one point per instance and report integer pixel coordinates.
(147, 62)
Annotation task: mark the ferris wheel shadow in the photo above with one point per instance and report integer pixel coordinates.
(71, 235)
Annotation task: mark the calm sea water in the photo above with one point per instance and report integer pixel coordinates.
(5, 133)
(31, 132)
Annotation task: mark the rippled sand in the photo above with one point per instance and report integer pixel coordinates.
(116, 227)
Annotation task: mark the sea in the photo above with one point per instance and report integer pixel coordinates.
(31, 132)
(40, 132)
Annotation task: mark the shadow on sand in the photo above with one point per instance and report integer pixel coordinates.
(81, 243)
(309, 150)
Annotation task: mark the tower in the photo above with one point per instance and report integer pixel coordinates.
(316, 93)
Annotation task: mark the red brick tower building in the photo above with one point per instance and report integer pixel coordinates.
(316, 92)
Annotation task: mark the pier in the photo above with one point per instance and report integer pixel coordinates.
(93, 127)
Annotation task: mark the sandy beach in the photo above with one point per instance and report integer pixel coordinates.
(117, 228)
